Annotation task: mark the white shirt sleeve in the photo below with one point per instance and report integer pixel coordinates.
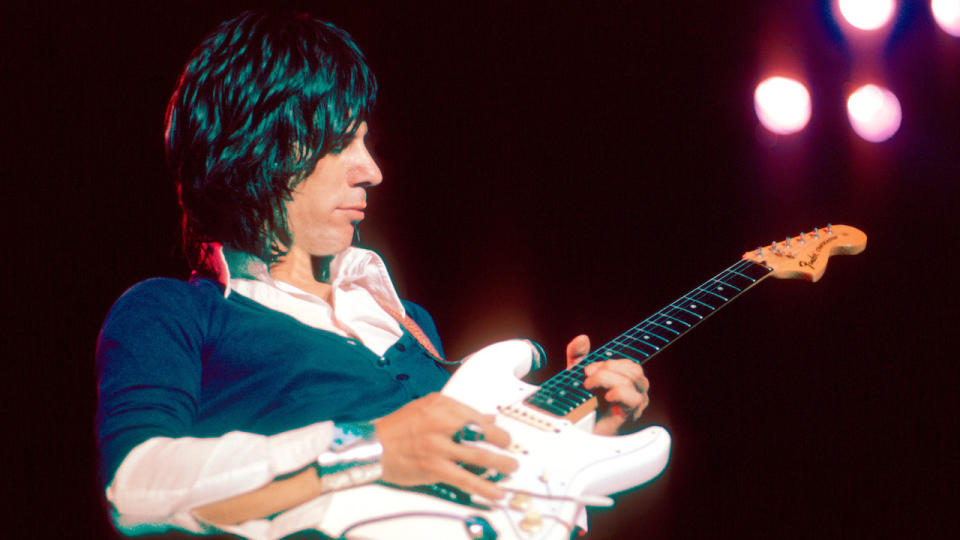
(163, 479)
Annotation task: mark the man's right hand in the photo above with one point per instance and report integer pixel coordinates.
(418, 446)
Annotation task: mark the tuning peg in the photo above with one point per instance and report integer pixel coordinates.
(759, 252)
(815, 233)
(803, 240)
(773, 247)
(786, 242)
(829, 228)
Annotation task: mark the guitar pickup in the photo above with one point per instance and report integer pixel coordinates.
(483, 472)
(448, 493)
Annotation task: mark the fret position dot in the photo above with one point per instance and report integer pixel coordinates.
(720, 288)
(693, 306)
(646, 337)
(669, 322)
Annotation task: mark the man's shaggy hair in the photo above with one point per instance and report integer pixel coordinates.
(260, 101)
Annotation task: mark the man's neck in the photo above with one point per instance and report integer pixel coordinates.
(305, 272)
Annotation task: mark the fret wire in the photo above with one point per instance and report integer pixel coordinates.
(688, 311)
(572, 379)
(700, 301)
(664, 327)
(713, 293)
(560, 390)
(644, 328)
(726, 283)
(563, 401)
(573, 383)
(573, 397)
(548, 398)
(733, 273)
(700, 294)
(568, 380)
(744, 275)
(645, 355)
(672, 314)
(675, 319)
(647, 332)
(625, 340)
(568, 377)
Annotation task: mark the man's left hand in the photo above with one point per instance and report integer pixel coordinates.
(619, 384)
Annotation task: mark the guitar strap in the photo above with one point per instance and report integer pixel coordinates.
(411, 326)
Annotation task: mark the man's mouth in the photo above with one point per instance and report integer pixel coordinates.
(355, 213)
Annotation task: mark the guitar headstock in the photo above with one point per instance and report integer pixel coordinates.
(805, 256)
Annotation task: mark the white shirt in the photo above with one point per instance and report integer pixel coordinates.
(163, 479)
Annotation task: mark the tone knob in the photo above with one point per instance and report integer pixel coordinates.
(520, 501)
(531, 522)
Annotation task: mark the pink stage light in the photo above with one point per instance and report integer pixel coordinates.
(947, 15)
(867, 14)
(782, 105)
(874, 113)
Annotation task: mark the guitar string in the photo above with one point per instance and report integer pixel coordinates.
(697, 295)
(567, 386)
(570, 380)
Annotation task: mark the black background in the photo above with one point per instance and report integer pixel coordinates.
(551, 168)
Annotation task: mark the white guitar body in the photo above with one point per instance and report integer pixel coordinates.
(562, 465)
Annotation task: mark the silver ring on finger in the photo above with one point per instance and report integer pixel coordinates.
(471, 431)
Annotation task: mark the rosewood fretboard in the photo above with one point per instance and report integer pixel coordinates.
(564, 392)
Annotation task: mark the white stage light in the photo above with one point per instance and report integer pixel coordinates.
(867, 14)
(874, 113)
(782, 105)
(947, 15)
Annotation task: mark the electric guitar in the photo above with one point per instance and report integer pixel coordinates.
(563, 466)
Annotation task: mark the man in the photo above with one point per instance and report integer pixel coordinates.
(288, 366)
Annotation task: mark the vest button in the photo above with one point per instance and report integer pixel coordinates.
(400, 347)
(402, 377)
(382, 361)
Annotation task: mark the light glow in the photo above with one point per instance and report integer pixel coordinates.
(947, 15)
(867, 14)
(782, 105)
(874, 113)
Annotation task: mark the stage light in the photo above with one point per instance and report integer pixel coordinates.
(867, 14)
(947, 15)
(874, 113)
(782, 105)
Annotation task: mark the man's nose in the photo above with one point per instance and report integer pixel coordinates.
(368, 173)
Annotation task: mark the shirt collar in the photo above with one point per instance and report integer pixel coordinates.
(352, 267)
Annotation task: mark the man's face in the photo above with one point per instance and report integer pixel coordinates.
(331, 200)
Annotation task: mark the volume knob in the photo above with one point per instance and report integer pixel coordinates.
(520, 501)
(531, 522)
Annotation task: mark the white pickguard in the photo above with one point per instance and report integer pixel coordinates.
(556, 465)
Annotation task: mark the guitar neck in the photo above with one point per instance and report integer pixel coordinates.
(564, 392)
